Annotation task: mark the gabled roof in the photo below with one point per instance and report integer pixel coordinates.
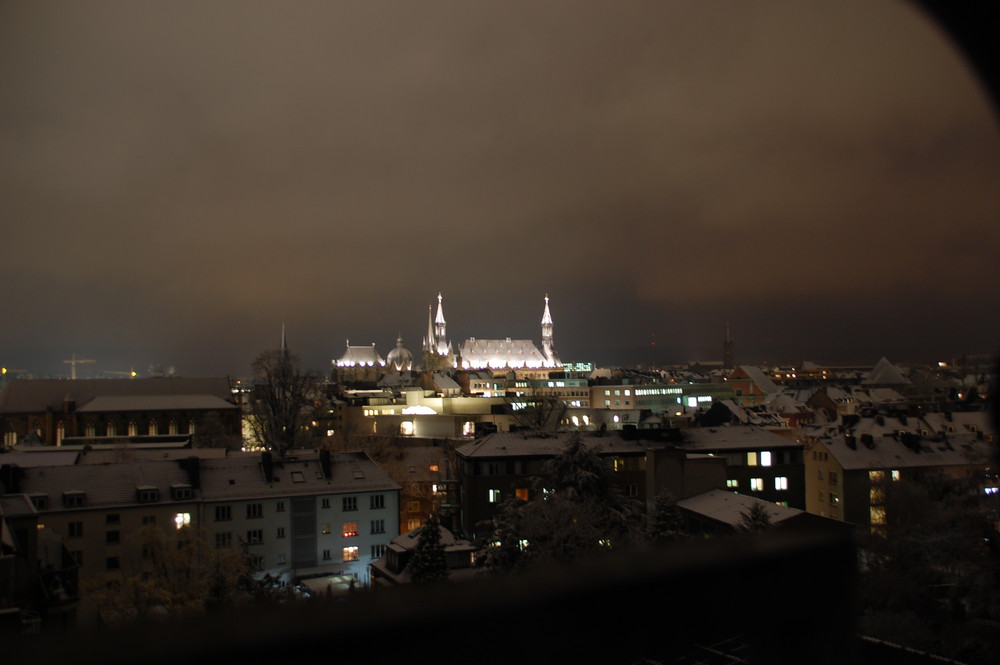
(885, 374)
(734, 438)
(39, 395)
(762, 380)
(120, 403)
(531, 444)
(360, 356)
(885, 451)
(727, 507)
(239, 477)
(497, 353)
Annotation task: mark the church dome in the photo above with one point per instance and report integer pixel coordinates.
(399, 359)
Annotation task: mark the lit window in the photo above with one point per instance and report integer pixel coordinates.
(732, 483)
(521, 493)
(325, 529)
(834, 498)
(406, 428)
(894, 474)
(877, 514)
(876, 495)
(182, 520)
(494, 496)
(765, 458)
(350, 554)
(757, 484)
(781, 483)
(876, 476)
(349, 529)
(751, 459)
(618, 464)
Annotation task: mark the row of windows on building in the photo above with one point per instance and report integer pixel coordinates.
(224, 513)
(111, 428)
(348, 554)
(256, 536)
(522, 493)
(757, 484)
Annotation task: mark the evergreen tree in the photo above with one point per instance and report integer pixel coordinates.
(428, 563)
(755, 518)
(577, 511)
(666, 524)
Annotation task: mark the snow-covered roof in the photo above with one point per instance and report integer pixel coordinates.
(728, 507)
(884, 373)
(360, 356)
(734, 438)
(529, 444)
(122, 403)
(499, 353)
(762, 380)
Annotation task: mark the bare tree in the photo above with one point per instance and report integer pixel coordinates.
(282, 399)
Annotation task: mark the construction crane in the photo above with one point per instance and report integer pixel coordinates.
(74, 362)
(130, 374)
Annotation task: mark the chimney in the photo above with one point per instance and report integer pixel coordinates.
(267, 465)
(10, 479)
(192, 466)
(325, 464)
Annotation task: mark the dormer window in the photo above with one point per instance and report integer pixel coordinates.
(40, 501)
(74, 499)
(147, 494)
(181, 492)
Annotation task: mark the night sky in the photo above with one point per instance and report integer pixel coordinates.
(180, 179)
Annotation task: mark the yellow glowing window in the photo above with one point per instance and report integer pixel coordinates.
(751, 459)
(876, 476)
(521, 493)
(877, 514)
(350, 554)
(349, 529)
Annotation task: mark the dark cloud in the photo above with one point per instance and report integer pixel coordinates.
(178, 179)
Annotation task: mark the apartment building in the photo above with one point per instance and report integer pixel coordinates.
(759, 463)
(305, 514)
(847, 467)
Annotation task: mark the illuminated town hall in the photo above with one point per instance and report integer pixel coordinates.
(438, 353)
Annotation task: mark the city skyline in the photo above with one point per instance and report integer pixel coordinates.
(180, 181)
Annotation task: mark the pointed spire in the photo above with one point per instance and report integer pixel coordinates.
(439, 319)
(546, 315)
